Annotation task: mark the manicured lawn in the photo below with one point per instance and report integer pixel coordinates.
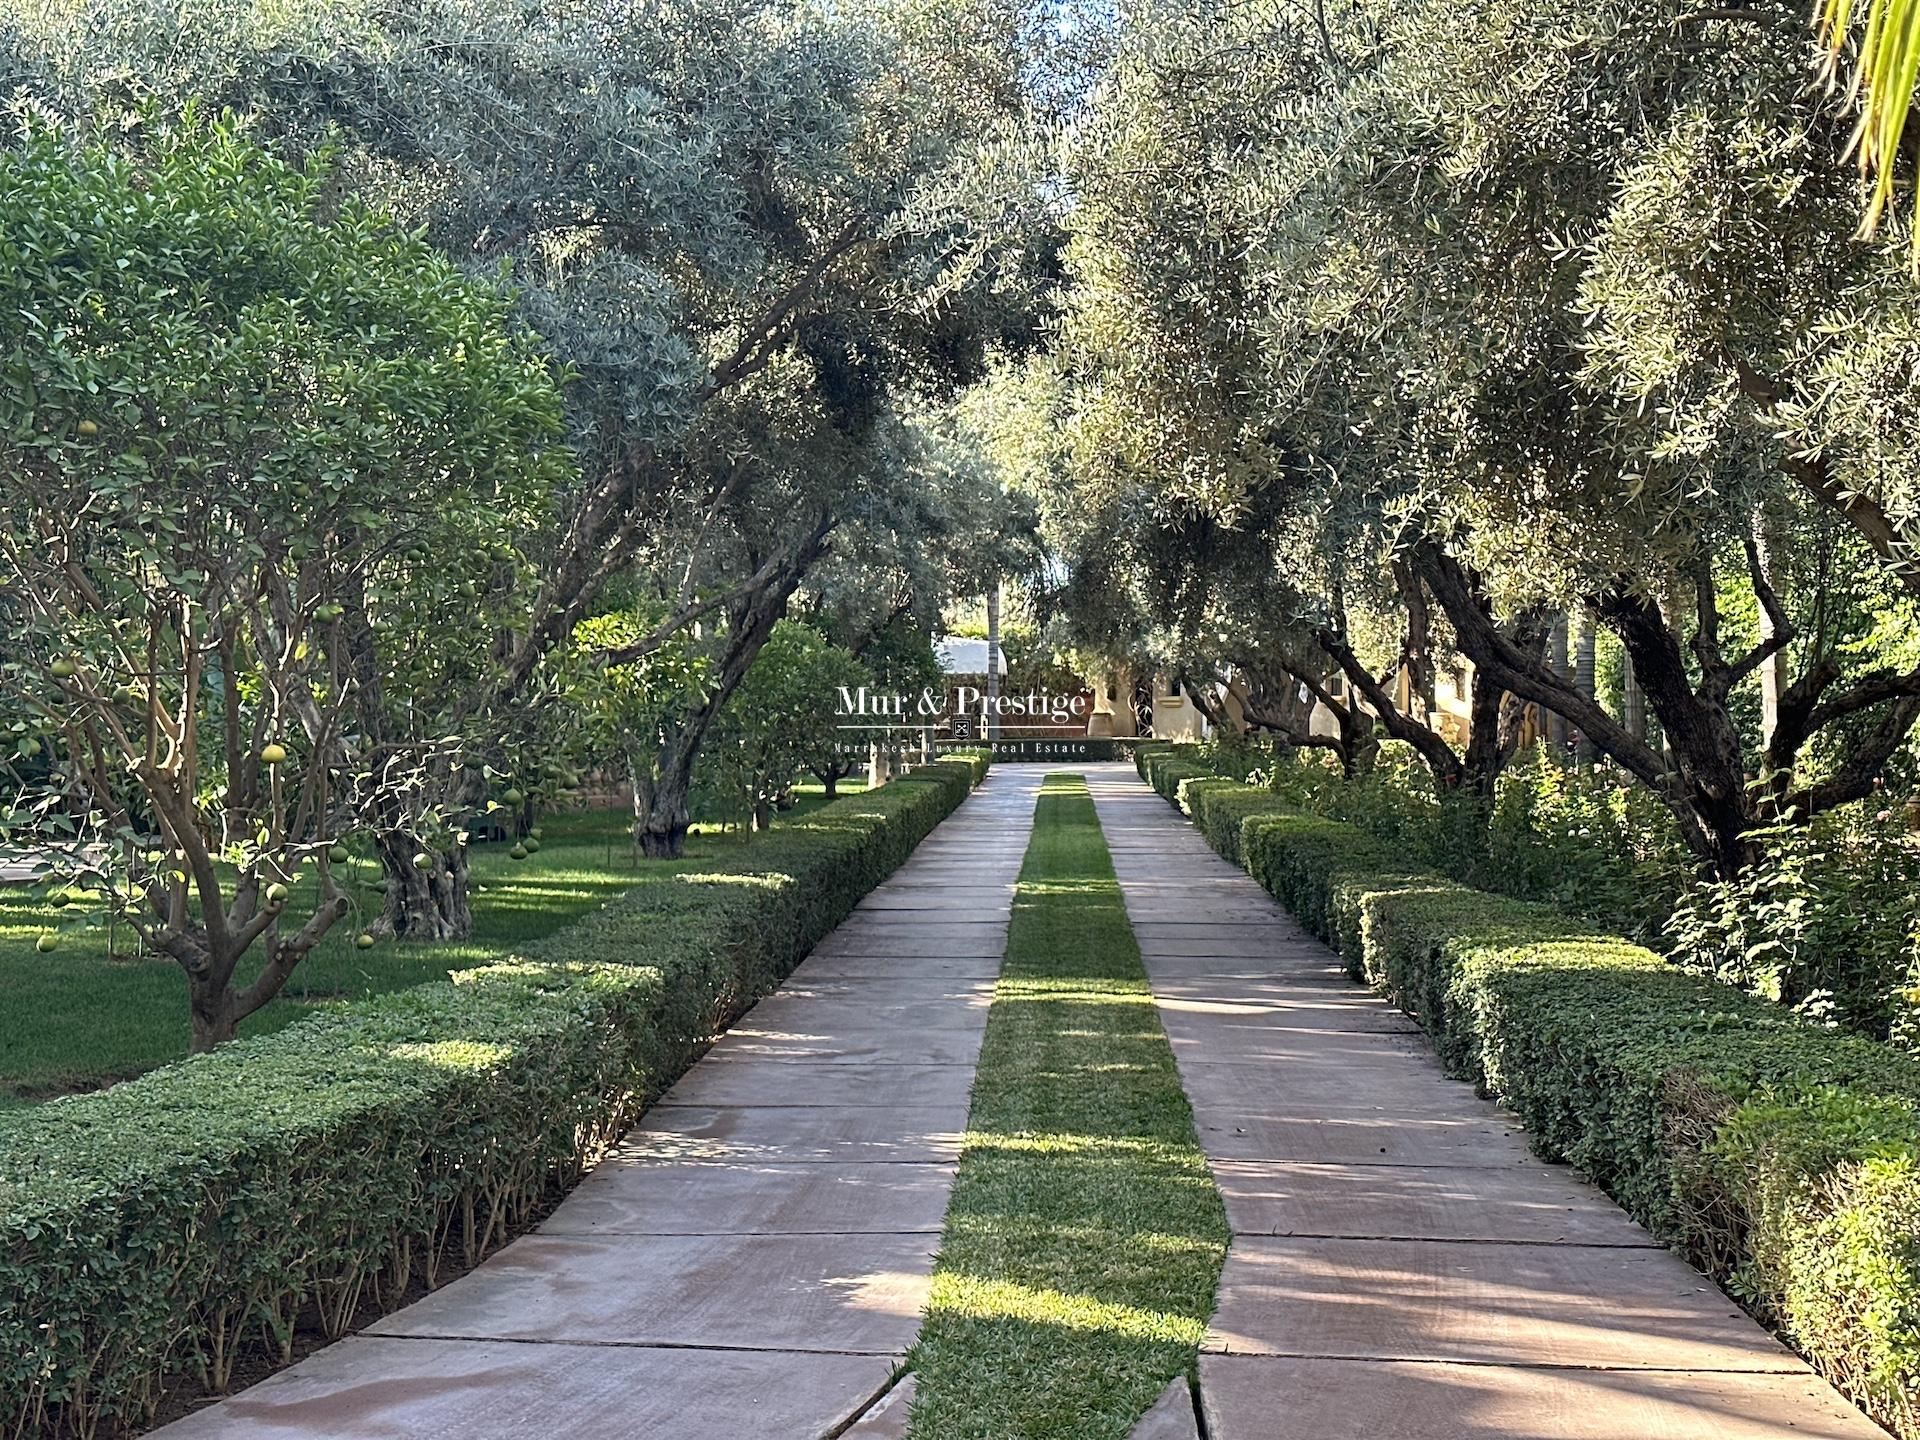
(1084, 1237)
(77, 1018)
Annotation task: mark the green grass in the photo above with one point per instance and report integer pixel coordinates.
(1084, 1237)
(79, 1018)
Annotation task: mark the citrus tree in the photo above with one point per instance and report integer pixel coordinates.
(242, 427)
(785, 716)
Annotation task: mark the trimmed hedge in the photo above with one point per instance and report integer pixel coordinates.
(169, 1227)
(1781, 1157)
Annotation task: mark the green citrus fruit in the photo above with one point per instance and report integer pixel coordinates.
(273, 753)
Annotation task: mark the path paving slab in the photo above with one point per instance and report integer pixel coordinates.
(1261, 1398)
(1375, 1087)
(636, 1194)
(1178, 942)
(1171, 1417)
(851, 1294)
(1488, 1304)
(911, 1005)
(366, 1389)
(918, 934)
(753, 1259)
(926, 884)
(924, 1001)
(889, 960)
(1308, 1057)
(1360, 1139)
(887, 1419)
(757, 1081)
(1401, 1265)
(1222, 914)
(901, 1134)
(944, 905)
(1535, 1203)
(897, 1045)
(1192, 1022)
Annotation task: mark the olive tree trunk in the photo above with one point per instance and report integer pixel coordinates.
(430, 901)
(663, 785)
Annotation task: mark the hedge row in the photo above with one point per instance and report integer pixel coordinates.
(161, 1231)
(1781, 1157)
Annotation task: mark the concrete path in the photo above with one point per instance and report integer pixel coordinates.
(1401, 1264)
(752, 1262)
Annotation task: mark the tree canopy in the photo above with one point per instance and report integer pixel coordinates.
(1469, 313)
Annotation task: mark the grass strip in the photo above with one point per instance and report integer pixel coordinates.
(1084, 1236)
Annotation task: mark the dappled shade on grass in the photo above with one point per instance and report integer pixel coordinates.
(77, 1019)
(1084, 1237)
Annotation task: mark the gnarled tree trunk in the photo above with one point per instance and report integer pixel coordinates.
(425, 902)
(663, 797)
(211, 1010)
(663, 790)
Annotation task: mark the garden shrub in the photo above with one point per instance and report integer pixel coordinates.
(1221, 808)
(1780, 1155)
(167, 1228)
(1303, 860)
(1823, 922)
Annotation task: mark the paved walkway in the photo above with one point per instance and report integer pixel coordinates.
(754, 1259)
(1401, 1264)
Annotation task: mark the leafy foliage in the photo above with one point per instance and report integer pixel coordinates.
(784, 718)
(758, 252)
(1397, 331)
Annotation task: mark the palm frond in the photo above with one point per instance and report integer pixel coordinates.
(1886, 69)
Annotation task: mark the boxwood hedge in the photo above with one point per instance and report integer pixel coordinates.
(162, 1231)
(1782, 1157)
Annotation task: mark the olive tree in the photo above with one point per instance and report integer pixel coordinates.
(1541, 301)
(236, 420)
